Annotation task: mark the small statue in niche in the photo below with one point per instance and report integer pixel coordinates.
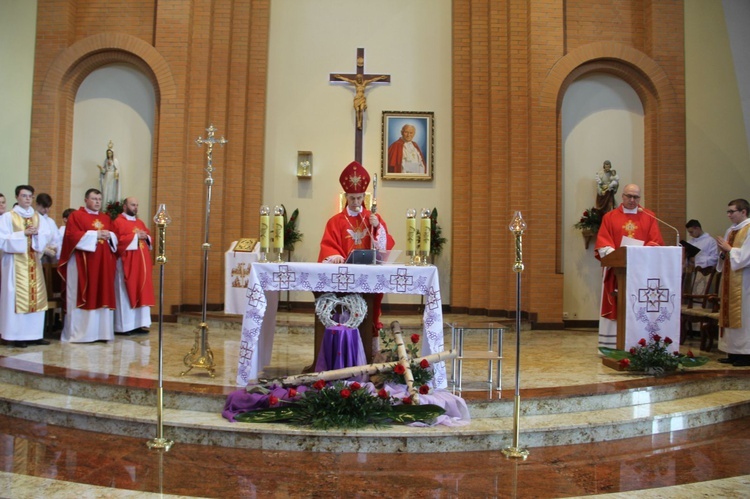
(109, 178)
(607, 183)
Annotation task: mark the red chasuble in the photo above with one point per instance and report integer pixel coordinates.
(396, 155)
(136, 264)
(96, 270)
(616, 224)
(344, 234)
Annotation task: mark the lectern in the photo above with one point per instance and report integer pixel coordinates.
(648, 292)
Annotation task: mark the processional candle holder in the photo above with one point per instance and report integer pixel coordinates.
(278, 233)
(517, 226)
(265, 233)
(201, 355)
(161, 219)
(425, 231)
(411, 235)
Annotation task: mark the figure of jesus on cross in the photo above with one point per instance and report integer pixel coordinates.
(360, 80)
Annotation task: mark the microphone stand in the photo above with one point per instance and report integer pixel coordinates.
(677, 232)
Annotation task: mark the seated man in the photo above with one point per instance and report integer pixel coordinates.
(355, 227)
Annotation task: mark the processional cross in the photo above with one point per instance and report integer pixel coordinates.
(360, 80)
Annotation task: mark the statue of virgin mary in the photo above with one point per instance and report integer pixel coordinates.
(109, 179)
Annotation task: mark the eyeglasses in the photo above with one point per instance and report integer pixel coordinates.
(631, 196)
(729, 212)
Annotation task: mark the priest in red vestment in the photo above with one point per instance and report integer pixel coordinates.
(134, 289)
(355, 227)
(87, 265)
(631, 220)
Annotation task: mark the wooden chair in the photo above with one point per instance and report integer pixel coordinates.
(701, 306)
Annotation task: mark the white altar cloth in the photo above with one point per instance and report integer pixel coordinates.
(267, 279)
(236, 270)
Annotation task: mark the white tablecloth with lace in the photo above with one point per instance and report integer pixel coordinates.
(267, 279)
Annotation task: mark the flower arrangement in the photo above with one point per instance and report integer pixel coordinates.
(292, 235)
(340, 404)
(113, 209)
(653, 357)
(421, 371)
(590, 220)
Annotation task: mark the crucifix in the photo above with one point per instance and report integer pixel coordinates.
(360, 80)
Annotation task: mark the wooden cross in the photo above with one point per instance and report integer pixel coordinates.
(360, 80)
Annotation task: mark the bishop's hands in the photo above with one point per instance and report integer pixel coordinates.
(374, 222)
(335, 259)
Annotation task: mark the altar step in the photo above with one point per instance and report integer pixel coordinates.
(193, 414)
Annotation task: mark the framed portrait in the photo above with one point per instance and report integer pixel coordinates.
(408, 145)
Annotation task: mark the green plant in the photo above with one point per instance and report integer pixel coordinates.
(590, 220)
(436, 234)
(653, 357)
(113, 209)
(292, 235)
(421, 371)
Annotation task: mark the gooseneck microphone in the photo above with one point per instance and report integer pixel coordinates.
(677, 232)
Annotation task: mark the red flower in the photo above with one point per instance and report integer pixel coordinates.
(586, 213)
(625, 363)
(292, 393)
(667, 340)
(415, 338)
(345, 393)
(642, 342)
(406, 400)
(632, 350)
(355, 386)
(424, 389)
(657, 338)
(383, 394)
(319, 385)
(676, 353)
(424, 364)
(399, 369)
(272, 400)
(690, 354)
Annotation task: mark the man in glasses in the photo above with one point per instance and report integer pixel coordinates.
(734, 264)
(627, 220)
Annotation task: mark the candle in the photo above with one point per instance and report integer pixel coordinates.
(411, 234)
(264, 228)
(278, 232)
(426, 228)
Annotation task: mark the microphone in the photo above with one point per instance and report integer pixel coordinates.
(677, 232)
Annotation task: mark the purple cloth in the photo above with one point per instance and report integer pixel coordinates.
(241, 401)
(456, 410)
(341, 347)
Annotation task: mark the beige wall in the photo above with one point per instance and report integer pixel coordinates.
(311, 40)
(17, 35)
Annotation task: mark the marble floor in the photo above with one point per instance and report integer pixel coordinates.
(38, 459)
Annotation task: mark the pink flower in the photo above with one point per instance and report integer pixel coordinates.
(667, 340)
(355, 386)
(319, 385)
(399, 369)
(383, 394)
(292, 393)
(272, 400)
(424, 389)
(345, 393)
(424, 364)
(406, 400)
(415, 338)
(642, 342)
(625, 363)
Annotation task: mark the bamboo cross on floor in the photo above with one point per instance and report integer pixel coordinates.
(360, 80)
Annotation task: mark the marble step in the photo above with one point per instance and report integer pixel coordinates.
(642, 412)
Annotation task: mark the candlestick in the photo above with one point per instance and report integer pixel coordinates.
(411, 234)
(278, 232)
(424, 233)
(265, 236)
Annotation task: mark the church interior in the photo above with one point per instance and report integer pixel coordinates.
(517, 105)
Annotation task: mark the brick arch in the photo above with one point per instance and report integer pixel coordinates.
(52, 113)
(664, 161)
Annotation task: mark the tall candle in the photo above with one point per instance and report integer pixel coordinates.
(426, 228)
(411, 234)
(264, 228)
(278, 232)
